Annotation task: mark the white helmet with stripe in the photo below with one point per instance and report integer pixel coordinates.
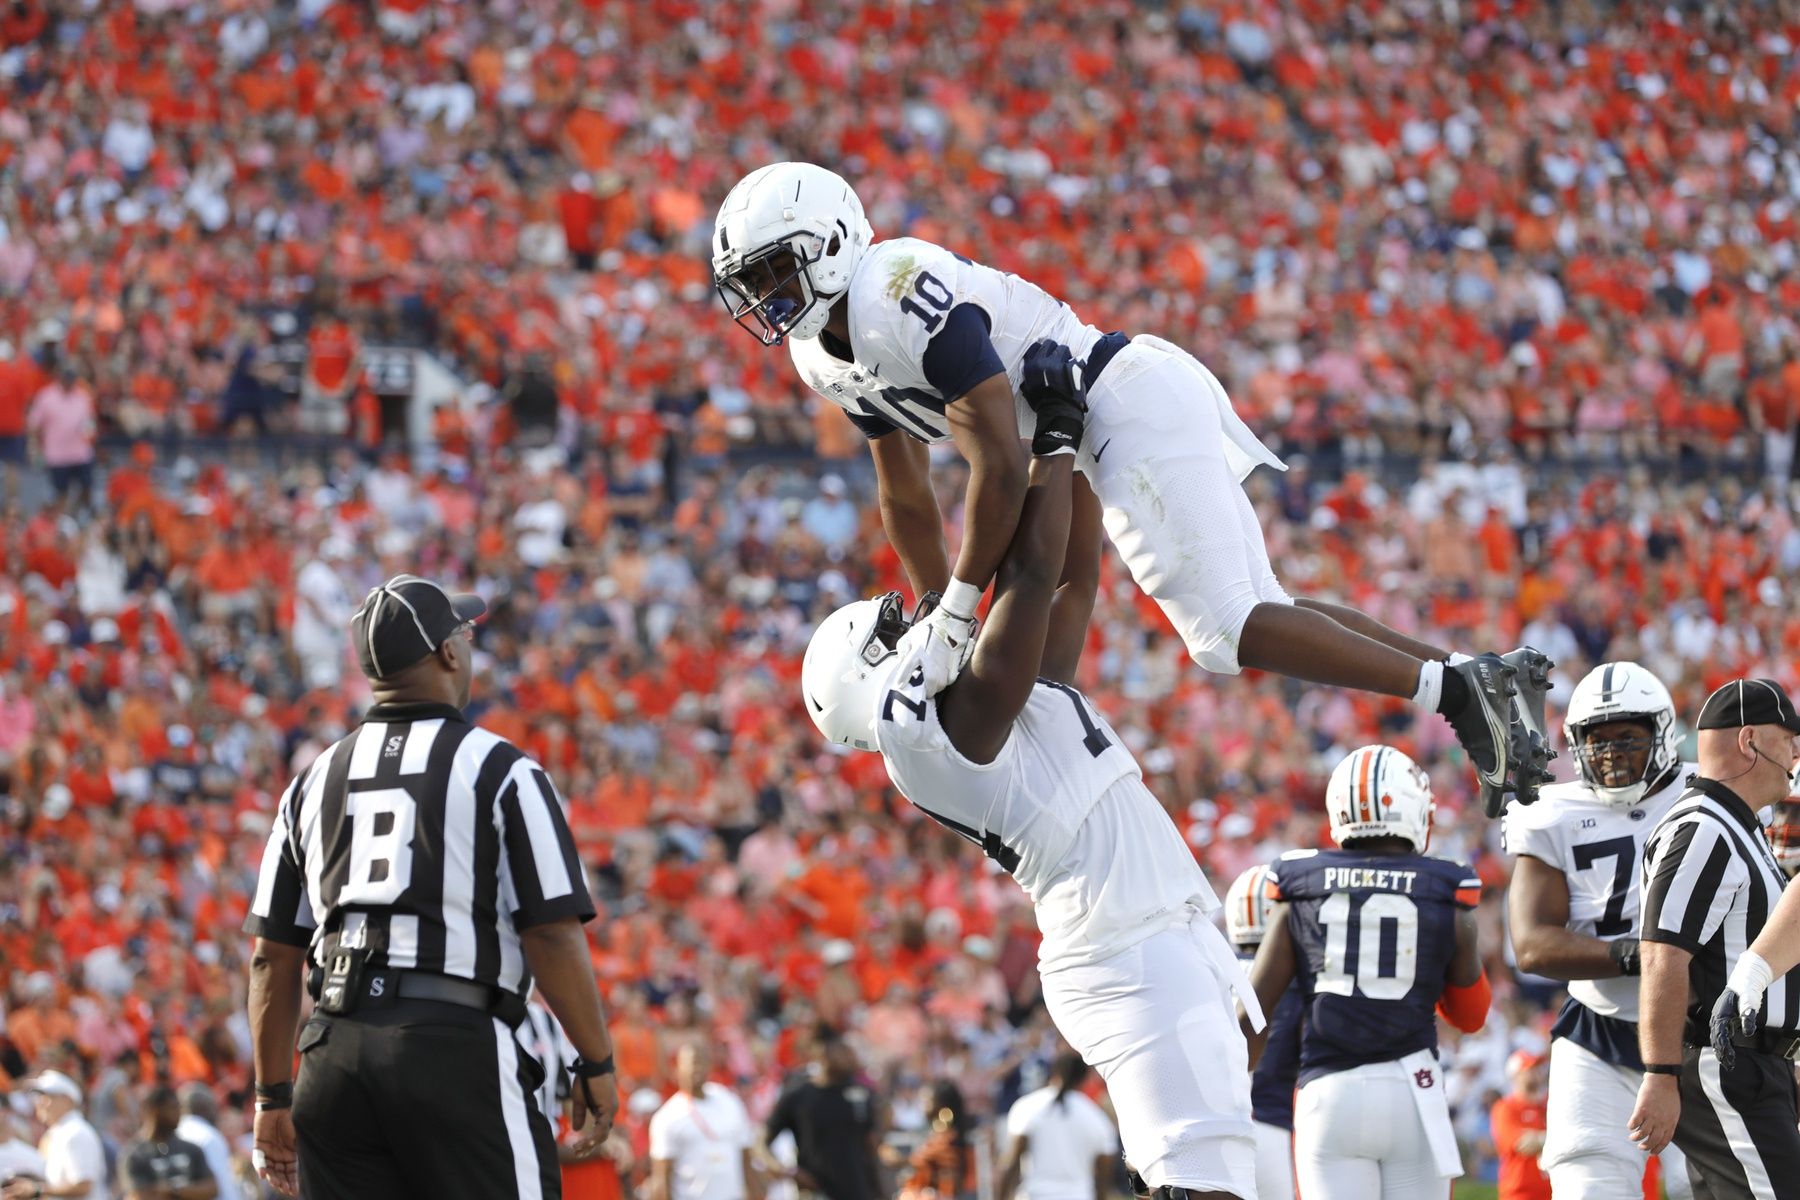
(1622, 691)
(1247, 907)
(787, 222)
(1379, 792)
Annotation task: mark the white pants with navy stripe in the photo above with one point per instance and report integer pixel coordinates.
(1738, 1126)
(1587, 1152)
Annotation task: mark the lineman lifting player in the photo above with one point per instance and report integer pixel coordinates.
(909, 338)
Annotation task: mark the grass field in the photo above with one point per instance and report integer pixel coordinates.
(1474, 1191)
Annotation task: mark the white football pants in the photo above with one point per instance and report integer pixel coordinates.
(1587, 1153)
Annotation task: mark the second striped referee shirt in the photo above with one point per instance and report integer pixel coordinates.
(426, 838)
(1710, 881)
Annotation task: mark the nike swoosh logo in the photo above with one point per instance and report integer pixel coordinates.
(1102, 449)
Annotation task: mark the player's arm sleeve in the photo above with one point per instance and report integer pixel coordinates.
(543, 880)
(961, 354)
(1468, 887)
(281, 911)
(1691, 876)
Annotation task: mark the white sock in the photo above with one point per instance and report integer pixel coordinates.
(1431, 686)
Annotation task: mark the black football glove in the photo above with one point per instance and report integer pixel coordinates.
(1051, 385)
(1624, 954)
(1724, 1019)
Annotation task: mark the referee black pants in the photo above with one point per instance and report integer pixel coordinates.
(425, 1101)
(1738, 1127)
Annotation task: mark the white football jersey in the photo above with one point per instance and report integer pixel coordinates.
(1600, 851)
(1062, 808)
(898, 299)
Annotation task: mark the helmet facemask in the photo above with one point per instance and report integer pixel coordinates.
(842, 672)
(771, 293)
(1622, 765)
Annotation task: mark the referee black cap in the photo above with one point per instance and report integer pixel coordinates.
(1749, 702)
(406, 618)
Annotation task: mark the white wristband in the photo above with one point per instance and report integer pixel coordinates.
(960, 599)
(1751, 975)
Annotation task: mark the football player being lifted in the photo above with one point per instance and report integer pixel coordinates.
(1009, 755)
(1378, 938)
(1573, 908)
(921, 346)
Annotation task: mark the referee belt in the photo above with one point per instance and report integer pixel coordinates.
(446, 990)
(1779, 1043)
(461, 992)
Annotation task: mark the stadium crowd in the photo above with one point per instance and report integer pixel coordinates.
(1544, 249)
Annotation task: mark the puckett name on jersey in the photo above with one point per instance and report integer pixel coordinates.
(1379, 878)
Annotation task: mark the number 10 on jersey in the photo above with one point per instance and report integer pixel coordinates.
(1368, 924)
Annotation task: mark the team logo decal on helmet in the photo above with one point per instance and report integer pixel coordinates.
(1379, 792)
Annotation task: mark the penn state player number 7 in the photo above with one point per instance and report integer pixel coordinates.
(1341, 918)
(1623, 852)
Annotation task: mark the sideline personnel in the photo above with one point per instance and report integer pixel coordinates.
(427, 864)
(1711, 881)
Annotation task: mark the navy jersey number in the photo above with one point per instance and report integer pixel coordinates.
(1095, 741)
(931, 289)
(1622, 850)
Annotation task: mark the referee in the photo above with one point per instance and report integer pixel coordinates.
(1710, 884)
(427, 865)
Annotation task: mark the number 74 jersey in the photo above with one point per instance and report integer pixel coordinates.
(1600, 851)
(1374, 936)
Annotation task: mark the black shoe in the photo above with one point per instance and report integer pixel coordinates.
(1490, 728)
(1532, 685)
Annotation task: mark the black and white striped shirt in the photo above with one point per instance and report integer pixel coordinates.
(1710, 882)
(427, 839)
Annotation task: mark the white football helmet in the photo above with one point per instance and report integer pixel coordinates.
(785, 223)
(1379, 792)
(1247, 907)
(843, 672)
(1623, 691)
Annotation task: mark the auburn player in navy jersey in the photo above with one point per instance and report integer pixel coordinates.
(1272, 1085)
(1377, 938)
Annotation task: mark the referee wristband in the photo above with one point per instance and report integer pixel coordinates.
(1662, 1069)
(587, 1068)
